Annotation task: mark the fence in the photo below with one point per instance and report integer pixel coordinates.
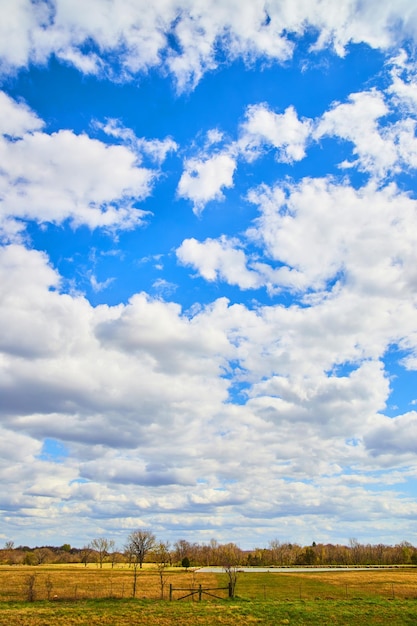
(78, 583)
(277, 588)
(66, 583)
(42, 590)
(192, 591)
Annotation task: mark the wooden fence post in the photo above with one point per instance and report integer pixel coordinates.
(200, 593)
(170, 591)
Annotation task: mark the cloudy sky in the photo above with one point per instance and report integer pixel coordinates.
(208, 270)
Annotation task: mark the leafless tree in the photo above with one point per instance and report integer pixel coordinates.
(231, 556)
(162, 558)
(182, 549)
(102, 547)
(139, 542)
(85, 553)
(43, 555)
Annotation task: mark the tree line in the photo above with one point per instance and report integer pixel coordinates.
(142, 546)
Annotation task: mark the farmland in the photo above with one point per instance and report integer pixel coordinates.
(89, 595)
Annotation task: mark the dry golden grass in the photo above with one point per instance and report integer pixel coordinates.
(76, 583)
(72, 582)
(263, 598)
(399, 583)
(387, 583)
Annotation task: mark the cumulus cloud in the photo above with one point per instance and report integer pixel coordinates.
(379, 146)
(393, 436)
(403, 87)
(320, 228)
(139, 33)
(235, 414)
(204, 179)
(285, 132)
(65, 176)
(16, 118)
(207, 174)
(218, 259)
(356, 121)
(126, 386)
(318, 231)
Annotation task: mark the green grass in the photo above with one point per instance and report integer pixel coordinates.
(319, 598)
(227, 612)
(346, 585)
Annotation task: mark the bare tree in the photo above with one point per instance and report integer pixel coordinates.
(231, 556)
(85, 553)
(101, 546)
(42, 555)
(139, 542)
(113, 553)
(182, 549)
(162, 558)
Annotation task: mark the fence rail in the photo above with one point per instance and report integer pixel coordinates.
(192, 591)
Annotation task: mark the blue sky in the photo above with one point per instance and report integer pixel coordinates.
(207, 271)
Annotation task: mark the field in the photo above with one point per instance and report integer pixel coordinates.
(81, 596)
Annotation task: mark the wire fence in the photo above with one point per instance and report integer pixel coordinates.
(32, 584)
(314, 589)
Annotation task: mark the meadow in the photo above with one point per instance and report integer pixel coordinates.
(79, 595)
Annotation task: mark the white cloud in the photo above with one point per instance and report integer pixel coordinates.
(319, 228)
(156, 149)
(356, 121)
(356, 249)
(137, 32)
(393, 436)
(220, 258)
(380, 147)
(97, 285)
(164, 287)
(404, 82)
(64, 176)
(16, 118)
(206, 175)
(51, 178)
(142, 394)
(285, 132)
(203, 180)
(136, 392)
(338, 405)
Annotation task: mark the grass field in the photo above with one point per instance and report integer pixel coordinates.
(93, 596)
(65, 582)
(335, 585)
(159, 613)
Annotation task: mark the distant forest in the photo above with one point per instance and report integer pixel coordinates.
(186, 554)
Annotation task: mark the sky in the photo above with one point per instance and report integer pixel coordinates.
(208, 270)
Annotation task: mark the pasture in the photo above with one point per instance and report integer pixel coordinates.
(79, 595)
